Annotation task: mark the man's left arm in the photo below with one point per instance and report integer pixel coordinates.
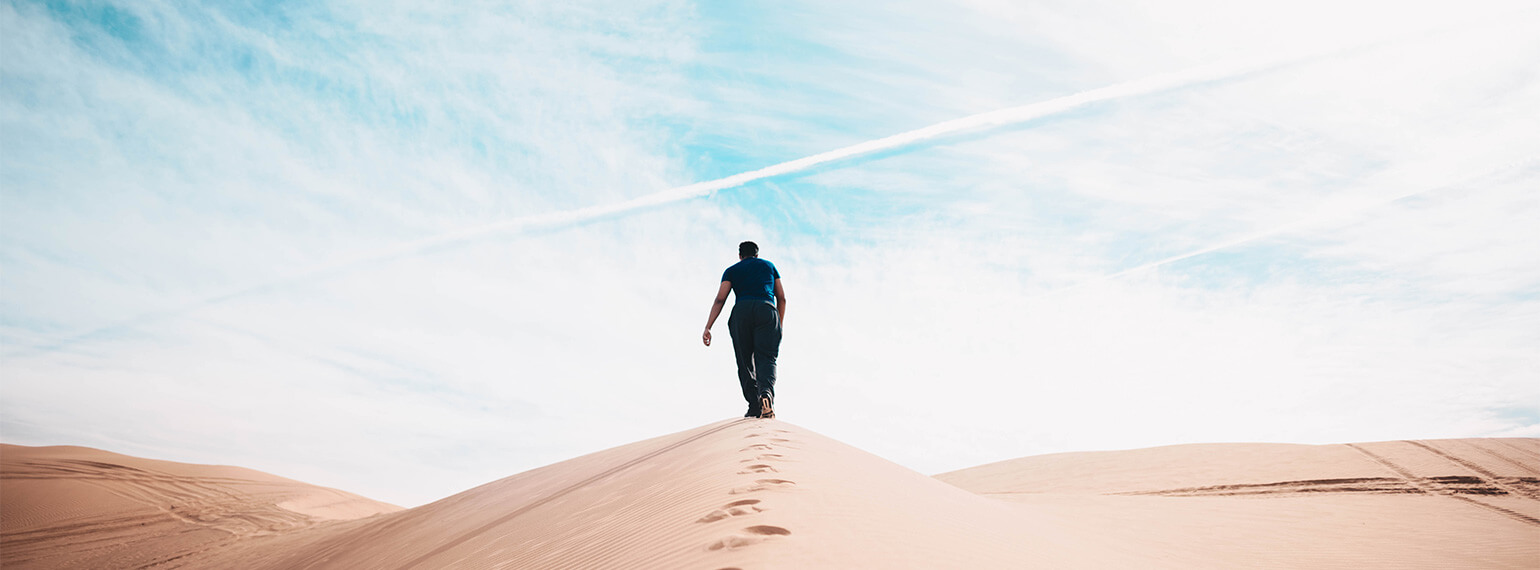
(780, 302)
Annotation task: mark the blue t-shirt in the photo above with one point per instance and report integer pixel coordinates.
(753, 278)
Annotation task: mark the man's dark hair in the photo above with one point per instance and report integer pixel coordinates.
(748, 249)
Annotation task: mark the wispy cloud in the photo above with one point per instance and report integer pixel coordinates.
(323, 196)
(899, 142)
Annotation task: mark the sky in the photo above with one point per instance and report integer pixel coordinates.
(404, 249)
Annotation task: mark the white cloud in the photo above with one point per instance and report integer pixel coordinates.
(918, 326)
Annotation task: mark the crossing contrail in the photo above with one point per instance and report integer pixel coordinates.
(1516, 169)
(1197, 76)
(970, 124)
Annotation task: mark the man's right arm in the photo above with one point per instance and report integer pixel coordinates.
(716, 310)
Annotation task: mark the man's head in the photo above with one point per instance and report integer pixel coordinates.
(748, 249)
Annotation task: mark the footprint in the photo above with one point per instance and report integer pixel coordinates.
(732, 542)
(733, 509)
(767, 530)
(764, 484)
(753, 535)
(760, 468)
(758, 446)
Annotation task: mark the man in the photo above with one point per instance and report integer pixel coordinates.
(755, 325)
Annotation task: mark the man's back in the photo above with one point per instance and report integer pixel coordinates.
(753, 278)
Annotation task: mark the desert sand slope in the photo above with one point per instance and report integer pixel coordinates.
(1468, 503)
(76, 507)
(758, 494)
(745, 493)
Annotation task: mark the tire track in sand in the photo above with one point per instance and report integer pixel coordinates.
(1520, 464)
(1413, 481)
(1488, 476)
(1521, 450)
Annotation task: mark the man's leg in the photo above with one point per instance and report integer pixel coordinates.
(767, 346)
(740, 326)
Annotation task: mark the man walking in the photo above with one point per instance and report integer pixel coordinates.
(755, 325)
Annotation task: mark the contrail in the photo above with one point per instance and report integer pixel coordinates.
(980, 122)
(1518, 168)
(1192, 77)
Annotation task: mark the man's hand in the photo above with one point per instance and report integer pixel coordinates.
(716, 309)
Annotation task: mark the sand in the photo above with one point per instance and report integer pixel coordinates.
(752, 494)
(1470, 503)
(76, 507)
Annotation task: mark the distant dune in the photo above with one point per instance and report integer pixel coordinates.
(1466, 503)
(77, 507)
(750, 494)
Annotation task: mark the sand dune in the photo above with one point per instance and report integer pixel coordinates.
(736, 494)
(76, 507)
(1471, 503)
(751, 494)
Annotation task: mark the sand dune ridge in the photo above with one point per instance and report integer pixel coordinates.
(752, 494)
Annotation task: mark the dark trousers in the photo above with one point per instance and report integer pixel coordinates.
(756, 330)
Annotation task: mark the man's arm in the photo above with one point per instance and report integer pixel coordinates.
(716, 308)
(780, 302)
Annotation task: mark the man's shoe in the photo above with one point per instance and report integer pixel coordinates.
(765, 411)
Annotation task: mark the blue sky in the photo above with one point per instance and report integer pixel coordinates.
(366, 245)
